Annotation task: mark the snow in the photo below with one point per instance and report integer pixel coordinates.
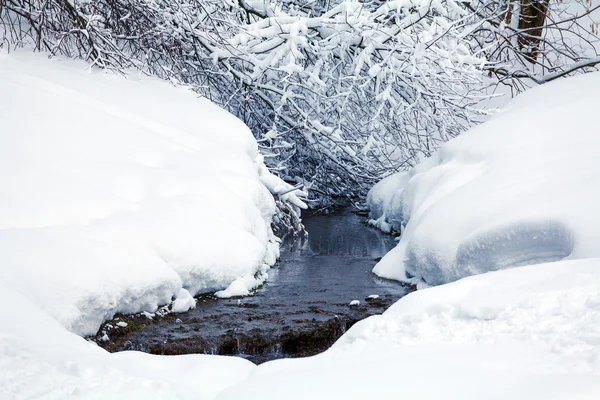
(111, 201)
(40, 359)
(384, 202)
(523, 333)
(520, 189)
(239, 287)
(354, 303)
(119, 195)
(183, 301)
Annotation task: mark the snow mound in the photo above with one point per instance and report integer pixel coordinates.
(119, 195)
(520, 189)
(524, 333)
(40, 359)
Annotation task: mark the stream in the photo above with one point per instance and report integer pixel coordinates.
(303, 307)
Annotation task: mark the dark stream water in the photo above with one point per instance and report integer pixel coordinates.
(300, 311)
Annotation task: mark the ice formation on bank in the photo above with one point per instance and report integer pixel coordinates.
(522, 188)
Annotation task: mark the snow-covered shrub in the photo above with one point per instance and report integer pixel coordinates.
(337, 93)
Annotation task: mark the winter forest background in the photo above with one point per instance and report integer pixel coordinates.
(338, 93)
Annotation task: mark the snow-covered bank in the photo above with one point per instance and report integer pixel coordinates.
(40, 359)
(529, 333)
(119, 220)
(384, 201)
(117, 195)
(522, 188)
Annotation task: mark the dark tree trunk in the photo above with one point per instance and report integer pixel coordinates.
(532, 17)
(531, 23)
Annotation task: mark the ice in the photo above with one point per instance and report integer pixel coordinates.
(354, 303)
(520, 189)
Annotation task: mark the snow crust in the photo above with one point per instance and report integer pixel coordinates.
(520, 189)
(523, 333)
(120, 195)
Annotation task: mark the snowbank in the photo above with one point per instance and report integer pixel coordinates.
(384, 200)
(40, 359)
(524, 333)
(522, 188)
(119, 195)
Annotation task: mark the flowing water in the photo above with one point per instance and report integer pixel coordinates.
(301, 310)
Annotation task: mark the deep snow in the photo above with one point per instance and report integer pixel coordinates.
(117, 195)
(529, 333)
(40, 359)
(87, 235)
(522, 188)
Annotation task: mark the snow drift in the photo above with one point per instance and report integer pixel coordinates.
(119, 195)
(528, 333)
(520, 189)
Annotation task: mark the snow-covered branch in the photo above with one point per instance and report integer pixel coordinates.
(338, 94)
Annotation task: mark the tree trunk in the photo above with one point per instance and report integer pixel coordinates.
(531, 26)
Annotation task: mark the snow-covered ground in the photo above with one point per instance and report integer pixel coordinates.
(40, 359)
(522, 188)
(119, 195)
(530, 333)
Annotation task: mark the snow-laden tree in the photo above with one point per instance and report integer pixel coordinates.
(356, 90)
(337, 93)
